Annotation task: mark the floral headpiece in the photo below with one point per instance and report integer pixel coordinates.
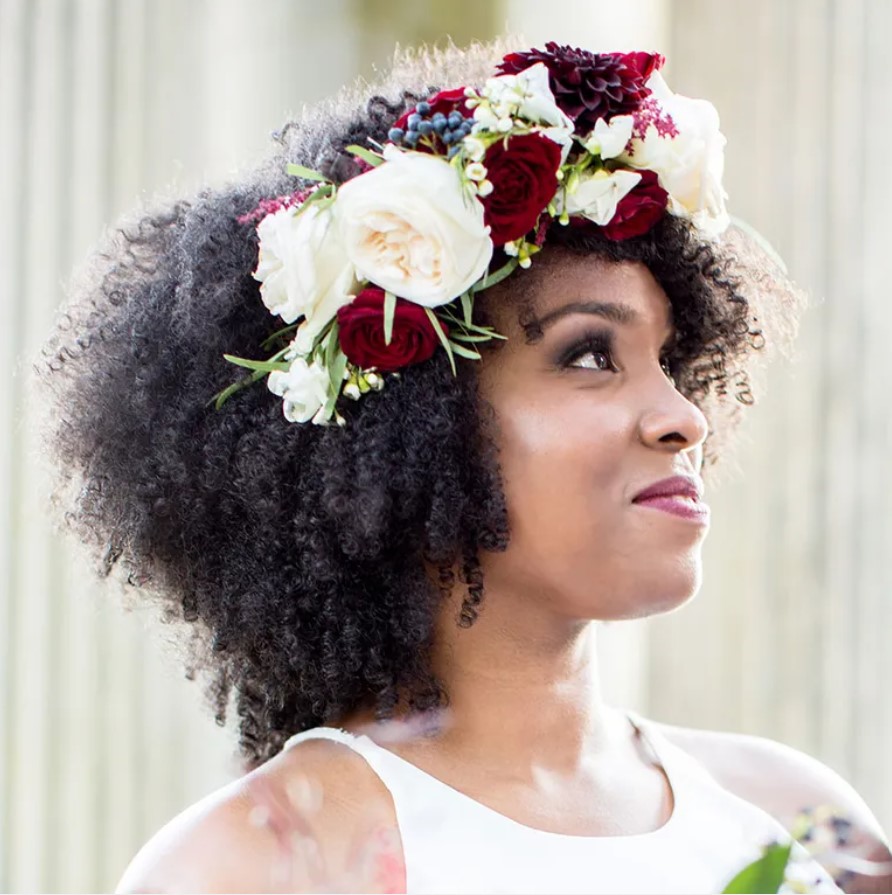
(373, 275)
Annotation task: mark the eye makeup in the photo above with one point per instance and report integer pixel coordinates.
(599, 341)
(602, 342)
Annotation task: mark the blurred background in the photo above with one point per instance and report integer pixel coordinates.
(104, 102)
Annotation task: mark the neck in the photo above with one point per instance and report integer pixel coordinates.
(523, 687)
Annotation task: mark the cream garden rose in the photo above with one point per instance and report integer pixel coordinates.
(409, 227)
(303, 268)
(691, 163)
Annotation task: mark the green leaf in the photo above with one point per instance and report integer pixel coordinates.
(389, 311)
(322, 196)
(766, 874)
(491, 279)
(468, 337)
(366, 155)
(441, 335)
(222, 396)
(336, 376)
(330, 344)
(487, 331)
(261, 366)
(461, 351)
(280, 332)
(306, 173)
(336, 372)
(467, 305)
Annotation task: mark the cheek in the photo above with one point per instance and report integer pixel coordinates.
(562, 458)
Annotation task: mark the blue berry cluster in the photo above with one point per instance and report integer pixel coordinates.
(449, 128)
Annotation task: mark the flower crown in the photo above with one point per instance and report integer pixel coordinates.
(373, 275)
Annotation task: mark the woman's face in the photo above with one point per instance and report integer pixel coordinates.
(587, 417)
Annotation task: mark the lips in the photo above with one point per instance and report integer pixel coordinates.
(679, 496)
(676, 486)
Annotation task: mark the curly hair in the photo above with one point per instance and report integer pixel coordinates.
(300, 556)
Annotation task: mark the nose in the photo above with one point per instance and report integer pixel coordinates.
(673, 423)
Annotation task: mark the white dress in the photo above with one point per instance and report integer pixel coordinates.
(452, 843)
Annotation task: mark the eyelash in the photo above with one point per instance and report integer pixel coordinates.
(602, 343)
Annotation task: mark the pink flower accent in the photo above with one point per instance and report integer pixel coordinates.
(652, 113)
(271, 206)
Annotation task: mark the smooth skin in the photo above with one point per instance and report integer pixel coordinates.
(580, 431)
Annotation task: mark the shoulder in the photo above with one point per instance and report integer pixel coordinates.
(290, 825)
(783, 781)
(780, 779)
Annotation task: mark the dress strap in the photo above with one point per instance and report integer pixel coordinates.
(384, 764)
(378, 759)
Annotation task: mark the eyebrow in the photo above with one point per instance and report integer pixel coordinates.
(613, 311)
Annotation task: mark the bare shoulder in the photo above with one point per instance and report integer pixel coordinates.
(780, 779)
(314, 818)
(784, 781)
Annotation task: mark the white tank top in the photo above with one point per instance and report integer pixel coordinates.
(452, 843)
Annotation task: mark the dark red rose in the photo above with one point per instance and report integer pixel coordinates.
(588, 86)
(361, 332)
(445, 101)
(638, 210)
(524, 180)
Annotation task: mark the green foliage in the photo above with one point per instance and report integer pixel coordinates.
(366, 155)
(306, 173)
(765, 874)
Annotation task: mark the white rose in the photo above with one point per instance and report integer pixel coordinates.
(303, 388)
(303, 268)
(409, 227)
(597, 195)
(609, 138)
(690, 164)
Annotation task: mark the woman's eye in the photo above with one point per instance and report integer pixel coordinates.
(592, 351)
(593, 360)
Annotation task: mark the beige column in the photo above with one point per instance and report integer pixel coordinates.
(789, 638)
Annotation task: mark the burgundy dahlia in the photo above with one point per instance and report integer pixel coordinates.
(588, 86)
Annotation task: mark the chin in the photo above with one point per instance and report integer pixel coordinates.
(656, 595)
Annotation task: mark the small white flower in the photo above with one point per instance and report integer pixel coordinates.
(484, 188)
(475, 171)
(409, 227)
(528, 95)
(609, 138)
(303, 268)
(303, 388)
(597, 196)
(691, 163)
(475, 148)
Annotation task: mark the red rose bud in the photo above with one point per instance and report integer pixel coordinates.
(524, 180)
(645, 63)
(638, 210)
(361, 332)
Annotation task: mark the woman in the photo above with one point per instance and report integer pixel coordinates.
(517, 330)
